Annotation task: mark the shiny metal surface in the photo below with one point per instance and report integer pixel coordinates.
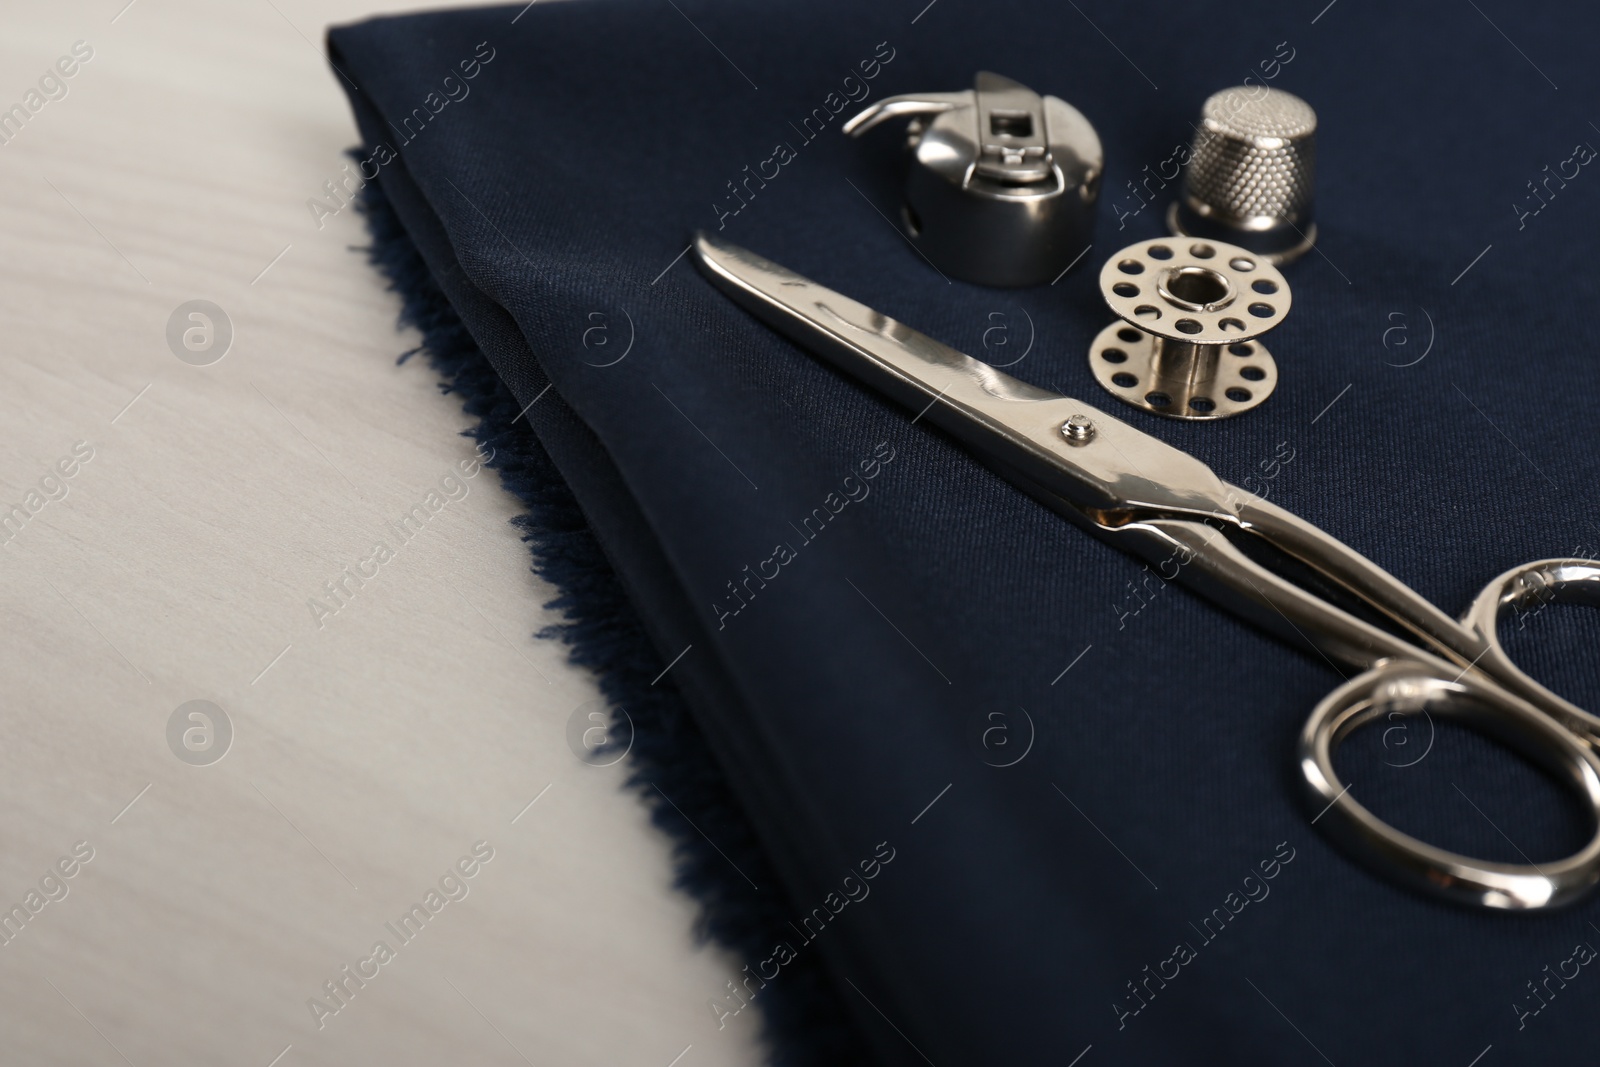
(1002, 183)
(1162, 503)
(1191, 311)
(1250, 179)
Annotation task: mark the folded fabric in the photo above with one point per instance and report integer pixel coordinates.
(1005, 795)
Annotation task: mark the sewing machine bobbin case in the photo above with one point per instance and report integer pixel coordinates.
(1002, 184)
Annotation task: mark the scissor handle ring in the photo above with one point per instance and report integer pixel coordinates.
(1415, 686)
(1527, 590)
(1544, 581)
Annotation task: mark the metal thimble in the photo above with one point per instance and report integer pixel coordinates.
(1249, 176)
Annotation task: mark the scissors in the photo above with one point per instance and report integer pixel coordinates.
(1158, 502)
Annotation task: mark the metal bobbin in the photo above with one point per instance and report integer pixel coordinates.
(1191, 310)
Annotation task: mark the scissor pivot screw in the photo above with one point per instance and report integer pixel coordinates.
(1078, 430)
(1191, 311)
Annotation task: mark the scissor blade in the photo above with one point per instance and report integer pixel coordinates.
(1118, 471)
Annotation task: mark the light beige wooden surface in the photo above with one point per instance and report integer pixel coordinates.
(368, 755)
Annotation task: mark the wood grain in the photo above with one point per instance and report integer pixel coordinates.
(369, 754)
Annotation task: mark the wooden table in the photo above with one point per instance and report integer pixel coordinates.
(372, 748)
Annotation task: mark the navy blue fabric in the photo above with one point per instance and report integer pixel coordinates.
(1020, 911)
(671, 765)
